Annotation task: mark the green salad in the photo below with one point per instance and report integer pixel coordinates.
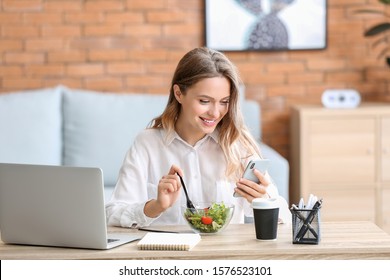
(210, 219)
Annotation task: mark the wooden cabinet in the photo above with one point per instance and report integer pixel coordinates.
(343, 156)
(385, 149)
(385, 174)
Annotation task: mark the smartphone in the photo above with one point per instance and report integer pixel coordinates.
(259, 164)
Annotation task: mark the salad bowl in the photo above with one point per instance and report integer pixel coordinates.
(209, 218)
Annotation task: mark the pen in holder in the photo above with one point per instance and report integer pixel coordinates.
(306, 224)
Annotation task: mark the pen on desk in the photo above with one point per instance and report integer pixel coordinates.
(309, 220)
(157, 230)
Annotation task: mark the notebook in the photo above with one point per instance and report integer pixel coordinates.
(169, 241)
(55, 206)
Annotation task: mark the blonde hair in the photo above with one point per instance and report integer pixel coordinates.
(235, 139)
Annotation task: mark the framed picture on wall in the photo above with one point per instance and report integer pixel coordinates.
(241, 25)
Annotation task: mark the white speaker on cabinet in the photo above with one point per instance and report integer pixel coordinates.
(340, 98)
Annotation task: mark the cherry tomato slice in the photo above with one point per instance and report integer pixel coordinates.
(206, 220)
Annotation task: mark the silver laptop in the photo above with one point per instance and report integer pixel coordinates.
(55, 206)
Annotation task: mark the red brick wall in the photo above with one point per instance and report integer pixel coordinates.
(134, 46)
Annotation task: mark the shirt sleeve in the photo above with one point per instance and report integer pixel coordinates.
(272, 191)
(126, 206)
(127, 215)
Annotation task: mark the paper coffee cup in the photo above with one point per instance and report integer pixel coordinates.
(266, 214)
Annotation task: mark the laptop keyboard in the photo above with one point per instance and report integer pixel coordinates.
(110, 240)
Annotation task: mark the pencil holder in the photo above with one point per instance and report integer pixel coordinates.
(306, 226)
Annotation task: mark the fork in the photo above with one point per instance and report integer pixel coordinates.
(190, 205)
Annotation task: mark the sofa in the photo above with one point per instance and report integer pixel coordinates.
(64, 126)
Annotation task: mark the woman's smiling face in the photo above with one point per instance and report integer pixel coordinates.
(203, 107)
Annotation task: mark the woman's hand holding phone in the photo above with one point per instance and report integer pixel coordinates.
(254, 183)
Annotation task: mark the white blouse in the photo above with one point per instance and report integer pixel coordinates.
(151, 156)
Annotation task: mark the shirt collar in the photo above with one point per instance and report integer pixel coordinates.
(168, 138)
(215, 135)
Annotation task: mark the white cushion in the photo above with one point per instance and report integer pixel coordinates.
(30, 125)
(100, 127)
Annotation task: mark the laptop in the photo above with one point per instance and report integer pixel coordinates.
(59, 206)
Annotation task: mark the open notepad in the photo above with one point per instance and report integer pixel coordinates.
(168, 241)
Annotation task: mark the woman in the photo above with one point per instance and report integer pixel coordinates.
(202, 137)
